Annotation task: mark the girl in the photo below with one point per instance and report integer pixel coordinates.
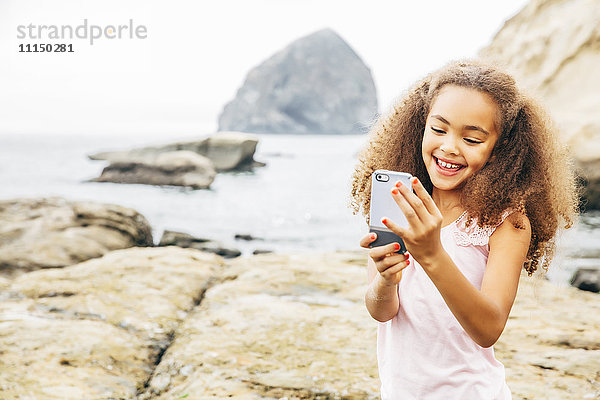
(492, 185)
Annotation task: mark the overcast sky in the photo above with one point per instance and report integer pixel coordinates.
(196, 55)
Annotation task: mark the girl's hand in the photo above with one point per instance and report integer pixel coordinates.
(389, 264)
(422, 237)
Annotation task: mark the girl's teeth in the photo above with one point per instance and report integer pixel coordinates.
(448, 165)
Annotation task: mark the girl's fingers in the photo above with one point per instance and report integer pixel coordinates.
(391, 261)
(425, 197)
(378, 253)
(407, 209)
(394, 227)
(395, 269)
(366, 240)
(414, 201)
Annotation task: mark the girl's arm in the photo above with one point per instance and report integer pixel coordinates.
(384, 269)
(381, 298)
(482, 313)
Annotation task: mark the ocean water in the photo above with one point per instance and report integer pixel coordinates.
(297, 202)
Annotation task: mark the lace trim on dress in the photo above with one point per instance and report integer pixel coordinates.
(474, 235)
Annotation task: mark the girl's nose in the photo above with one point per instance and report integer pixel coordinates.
(449, 146)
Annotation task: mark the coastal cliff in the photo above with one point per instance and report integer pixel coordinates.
(553, 49)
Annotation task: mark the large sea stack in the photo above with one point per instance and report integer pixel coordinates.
(553, 49)
(317, 84)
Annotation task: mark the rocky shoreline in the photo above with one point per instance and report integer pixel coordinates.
(167, 322)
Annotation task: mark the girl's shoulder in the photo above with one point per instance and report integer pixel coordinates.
(468, 232)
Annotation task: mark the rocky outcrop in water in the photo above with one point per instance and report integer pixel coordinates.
(174, 168)
(185, 240)
(226, 150)
(168, 323)
(317, 84)
(587, 279)
(553, 48)
(53, 232)
(192, 164)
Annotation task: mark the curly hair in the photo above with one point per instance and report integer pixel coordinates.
(529, 169)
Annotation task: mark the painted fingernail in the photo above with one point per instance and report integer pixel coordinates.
(398, 184)
(372, 236)
(384, 220)
(396, 246)
(415, 180)
(395, 191)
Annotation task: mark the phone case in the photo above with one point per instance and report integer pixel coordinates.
(383, 205)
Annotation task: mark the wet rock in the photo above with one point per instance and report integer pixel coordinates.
(174, 168)
(317, 84)
(181, 239)
(54, 232)
(219, 249)
(261, 251)
(587, 279)
(247, 237)
(228, 151)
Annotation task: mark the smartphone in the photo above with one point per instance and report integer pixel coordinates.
(384, 205)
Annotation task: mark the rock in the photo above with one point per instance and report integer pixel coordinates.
(590, 180)
(54, 232)
(295, 326)
(176, 168)
(261, 251)
(151, 152)
(228, 151)
(587, 279)
(551, 47)
(279, 326)
(97, 329)
(232, 151)
(247, 237)
(549, 346)
(218, 248)
(169, 323)
(317, 84)
(172, 238)
(4, 283)
(52, 358)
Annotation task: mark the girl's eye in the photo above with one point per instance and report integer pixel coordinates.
(472, 141)
(437, 130)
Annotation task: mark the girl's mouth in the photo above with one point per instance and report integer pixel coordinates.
(447, 168)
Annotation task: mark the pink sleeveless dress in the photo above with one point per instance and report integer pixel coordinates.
(423, 352)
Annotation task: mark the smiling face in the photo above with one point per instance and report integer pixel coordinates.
(460, 134)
